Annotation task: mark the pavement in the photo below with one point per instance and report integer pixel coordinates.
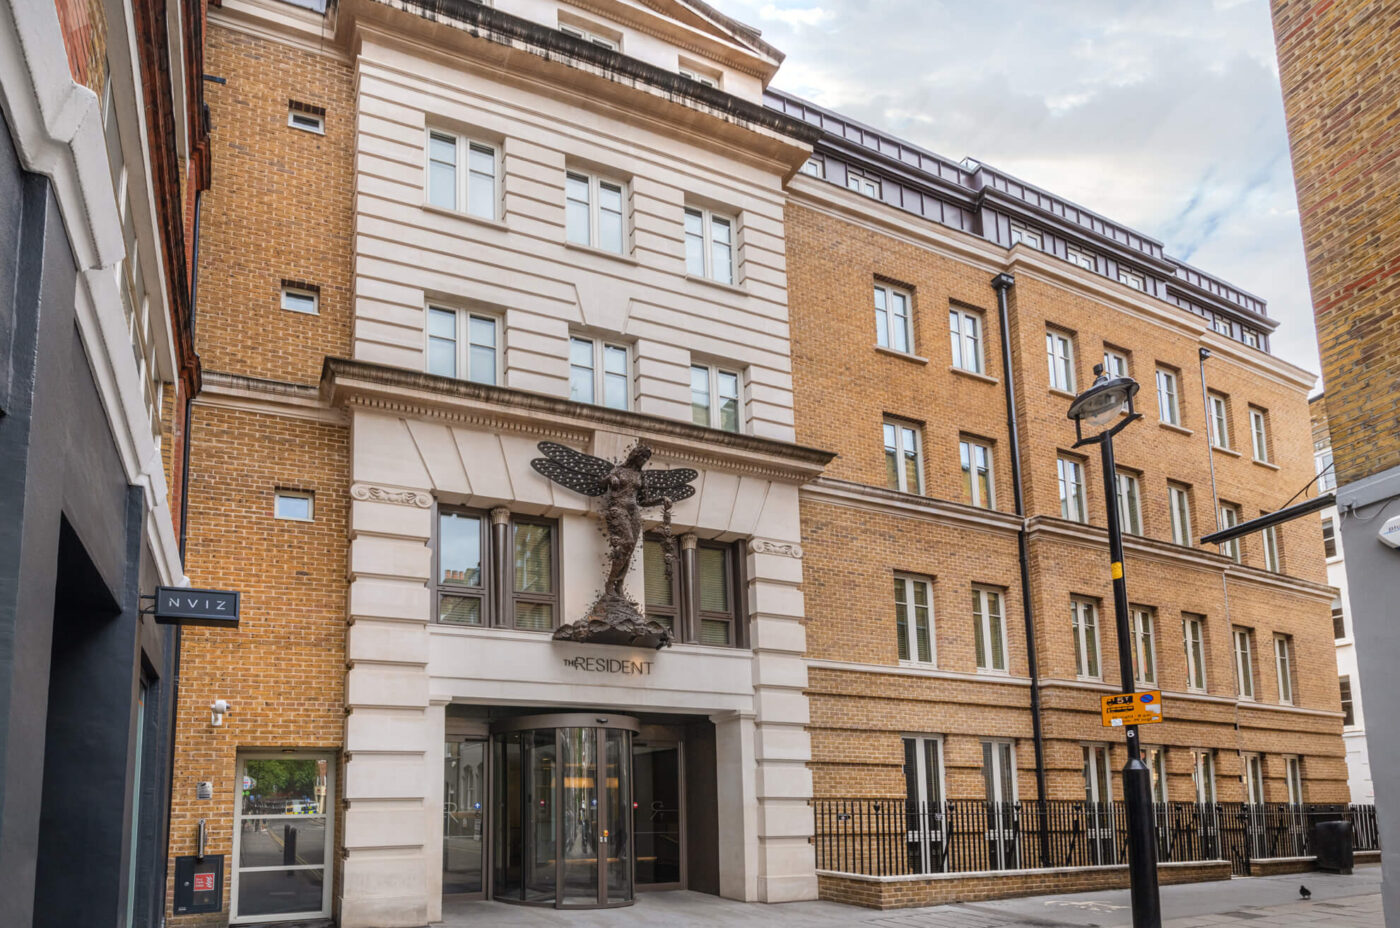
(1259, 902)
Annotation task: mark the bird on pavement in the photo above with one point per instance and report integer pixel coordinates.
(1304, 892)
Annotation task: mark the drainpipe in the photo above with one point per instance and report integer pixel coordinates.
(1215, 504)
(1002, 283)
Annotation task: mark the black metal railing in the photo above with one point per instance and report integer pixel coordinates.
(892, 837)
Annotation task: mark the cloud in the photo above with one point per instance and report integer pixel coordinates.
(1167, 117)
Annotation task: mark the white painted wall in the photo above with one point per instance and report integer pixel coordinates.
(1358, 758)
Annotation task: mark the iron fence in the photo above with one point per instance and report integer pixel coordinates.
(892, 837)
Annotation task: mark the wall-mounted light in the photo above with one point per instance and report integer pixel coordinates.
(217, 711)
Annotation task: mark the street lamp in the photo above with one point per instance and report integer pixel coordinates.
(1097, 408)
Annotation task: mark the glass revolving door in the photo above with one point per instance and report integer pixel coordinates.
(563, 804)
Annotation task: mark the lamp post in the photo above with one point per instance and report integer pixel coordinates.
(1098, 407)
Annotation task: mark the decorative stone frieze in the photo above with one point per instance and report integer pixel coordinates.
(374, 494)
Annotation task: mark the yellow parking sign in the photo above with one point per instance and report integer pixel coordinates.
(1142, 708)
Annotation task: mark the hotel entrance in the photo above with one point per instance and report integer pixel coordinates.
(576, 810)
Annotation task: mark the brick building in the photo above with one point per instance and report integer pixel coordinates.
(446, 232)
(1337, 67)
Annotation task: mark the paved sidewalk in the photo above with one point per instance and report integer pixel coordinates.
(1259, 902)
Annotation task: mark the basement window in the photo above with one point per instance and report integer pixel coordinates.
(306, 117)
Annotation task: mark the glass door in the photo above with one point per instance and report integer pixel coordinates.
(282, 838)
(657, 791)
(463, 818)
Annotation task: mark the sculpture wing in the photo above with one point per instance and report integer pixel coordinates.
(575, 460)
(586, 484)
(670, 482)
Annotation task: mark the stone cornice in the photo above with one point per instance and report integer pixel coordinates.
(932, 673)
(878, 499)
(266, 397)
(346, 383)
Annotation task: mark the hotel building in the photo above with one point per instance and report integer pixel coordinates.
(445, 232)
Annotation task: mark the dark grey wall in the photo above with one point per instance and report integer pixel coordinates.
(72, 643)
(701, 809)
(1373, 586)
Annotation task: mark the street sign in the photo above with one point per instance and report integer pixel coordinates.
(1121, 709)
(177, 606)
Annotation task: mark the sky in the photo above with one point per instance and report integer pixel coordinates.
(1165, 115)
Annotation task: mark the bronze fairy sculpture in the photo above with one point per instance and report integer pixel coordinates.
(625, 490)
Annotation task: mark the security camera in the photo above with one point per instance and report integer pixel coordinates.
(1390, 532)
(217, 711)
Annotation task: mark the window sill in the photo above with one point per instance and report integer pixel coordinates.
(1269, 464)
(1056, 391)
(601, 252)
(964, 372)
(1223, 450)
(902, 355)
(989, 672)
(1083, 679)
(732, 288)
(919, 665)
(1173, 427)
(458, 214)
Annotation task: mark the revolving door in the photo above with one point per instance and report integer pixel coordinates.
(563, 810)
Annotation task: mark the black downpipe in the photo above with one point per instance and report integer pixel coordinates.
(1002, 283)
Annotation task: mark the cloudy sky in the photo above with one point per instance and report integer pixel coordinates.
(1162, 114)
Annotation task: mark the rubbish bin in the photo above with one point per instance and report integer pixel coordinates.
(1332, 844)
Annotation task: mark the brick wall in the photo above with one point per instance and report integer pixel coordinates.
(1338, 67)
(862, 701)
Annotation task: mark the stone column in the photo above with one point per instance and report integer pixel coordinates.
(736, 807)
(388, 735)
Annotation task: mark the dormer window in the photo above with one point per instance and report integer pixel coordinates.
(1081, 257)
(1022, 234)
(591, 36)
(1132, 279)
(700, 74)
(862, 183)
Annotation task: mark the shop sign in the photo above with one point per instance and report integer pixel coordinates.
(178, 606)
(611, 665)
(1121, 709)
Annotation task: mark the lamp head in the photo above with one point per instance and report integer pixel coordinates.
(1099, 405)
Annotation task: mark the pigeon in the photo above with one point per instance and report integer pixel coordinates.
(1305, 892)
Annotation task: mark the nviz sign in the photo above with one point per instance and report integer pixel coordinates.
(176, 606)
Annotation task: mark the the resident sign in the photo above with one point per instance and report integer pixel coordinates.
(175, 606)
(615, 665)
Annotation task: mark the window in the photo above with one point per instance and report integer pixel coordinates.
(699, 78)
(1283, 662)
(1129, 504)
(1059, 350)
(1115, 363)
(1193, 630)
(709, 245)
(461, 174)
(1168, 405)
(976, 461)
(1082, 258)
(999, 783)
(473, 551)
(1339, 619)
(1144, 647)
(989, 630)
(904, 470)
(714, 398)
(1259, 433)
(1024, 235)
(1071, 474)
(289, 806)
(1179, 504)
(1229, 518)
(1348, 707)
(923, 770)
(296, 505)
(1219, 421)
(1157, 767)
(913, 617)
(1253, 779)
(1269, 537)
(1329, 538)
(863, 183)
(893, 327)
(1098, 774)
(593, 212)
(593, 38)
(1244, 663)
(1327, 474)
(462, 344)
(965, 338)
(1220, 324)
(999, 771)
(815, 166)
(711, 617)
(1132, 279)
(1203, 775)
(301, 299)
(1084, 622)
(1293, 776)
(1249, 337)
(599, 373)
(306, 117)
